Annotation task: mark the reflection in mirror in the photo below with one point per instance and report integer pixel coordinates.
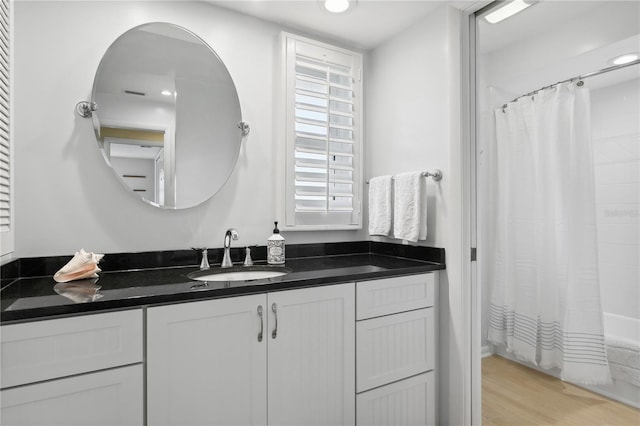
(167, 117)
(138, 156)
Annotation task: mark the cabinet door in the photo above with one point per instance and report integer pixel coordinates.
(311, 356)
(206, 364)
(106, 398)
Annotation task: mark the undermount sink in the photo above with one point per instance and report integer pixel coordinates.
(239, 273)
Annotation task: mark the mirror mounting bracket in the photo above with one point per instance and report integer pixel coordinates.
(244, 127)
(85, 109)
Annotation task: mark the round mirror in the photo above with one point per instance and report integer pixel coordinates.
(168, 118)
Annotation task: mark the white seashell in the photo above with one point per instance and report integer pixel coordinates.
(82, 265)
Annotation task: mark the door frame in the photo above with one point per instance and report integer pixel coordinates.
(472, 298)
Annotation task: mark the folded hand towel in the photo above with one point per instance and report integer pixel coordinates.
(410, 207)
(380, 205)
(83, 265)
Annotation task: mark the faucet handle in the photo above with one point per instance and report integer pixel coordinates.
(204, 263)
(247, 258)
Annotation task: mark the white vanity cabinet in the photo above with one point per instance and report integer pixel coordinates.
(282, 358)
(84, 370)
(395, 351)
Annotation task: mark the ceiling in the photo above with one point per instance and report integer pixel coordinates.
(560, 19)
(372, 22)
(364, 27)
(541, 17)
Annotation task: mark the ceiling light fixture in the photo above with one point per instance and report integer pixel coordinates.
(337, 6)
(625, 59)
(504, 12)
(167, 92)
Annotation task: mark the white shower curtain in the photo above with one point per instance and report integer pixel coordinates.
(545, 298)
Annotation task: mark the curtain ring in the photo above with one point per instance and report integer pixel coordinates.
(580, 83)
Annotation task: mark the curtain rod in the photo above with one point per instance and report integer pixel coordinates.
(579, 78)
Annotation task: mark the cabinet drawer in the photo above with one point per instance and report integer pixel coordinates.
(49, 349)
(392, 295)
(394, 347)
(112, 397)
(407, 402)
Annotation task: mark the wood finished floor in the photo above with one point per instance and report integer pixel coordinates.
(514, 395)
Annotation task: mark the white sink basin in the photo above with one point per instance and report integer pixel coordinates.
(239, 273)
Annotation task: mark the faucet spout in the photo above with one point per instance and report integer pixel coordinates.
(228, 236)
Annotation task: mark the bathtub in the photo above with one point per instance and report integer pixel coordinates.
(622, 336)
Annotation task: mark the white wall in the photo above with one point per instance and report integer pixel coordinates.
(66, 196)
(407, 113)
(615, 130)
(412, 96)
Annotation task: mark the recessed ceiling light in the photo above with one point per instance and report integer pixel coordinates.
(167, 92)
(509, 9)
(625, 59)
(337, 6)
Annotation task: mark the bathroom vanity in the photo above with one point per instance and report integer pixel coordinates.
(342, 339)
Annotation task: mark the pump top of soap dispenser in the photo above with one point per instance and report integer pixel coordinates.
(276, 236)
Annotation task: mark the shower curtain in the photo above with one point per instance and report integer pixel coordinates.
(545, 298)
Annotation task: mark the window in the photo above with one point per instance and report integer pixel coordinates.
(6, 210)
(323, 132)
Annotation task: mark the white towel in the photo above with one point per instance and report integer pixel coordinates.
(380, 205)
(82, 265)
(410, 207)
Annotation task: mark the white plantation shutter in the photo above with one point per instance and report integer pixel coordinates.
(323, 97)
(6, 216)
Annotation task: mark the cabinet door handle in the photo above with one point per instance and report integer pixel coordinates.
(274, 309)
(261, 323)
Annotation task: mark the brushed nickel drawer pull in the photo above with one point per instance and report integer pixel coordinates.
(274, 309)
(261, 323)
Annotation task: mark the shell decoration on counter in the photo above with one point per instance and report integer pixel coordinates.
(83, 265)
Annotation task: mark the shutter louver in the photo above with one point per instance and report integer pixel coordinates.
(5, 146)
(324, 137)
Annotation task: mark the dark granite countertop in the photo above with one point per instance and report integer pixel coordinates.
(28, 298)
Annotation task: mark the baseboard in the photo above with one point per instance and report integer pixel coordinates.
(487, 350)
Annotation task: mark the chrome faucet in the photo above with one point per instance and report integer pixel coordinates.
(228, 236)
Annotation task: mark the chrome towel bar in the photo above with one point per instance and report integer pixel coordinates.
(436, 175)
